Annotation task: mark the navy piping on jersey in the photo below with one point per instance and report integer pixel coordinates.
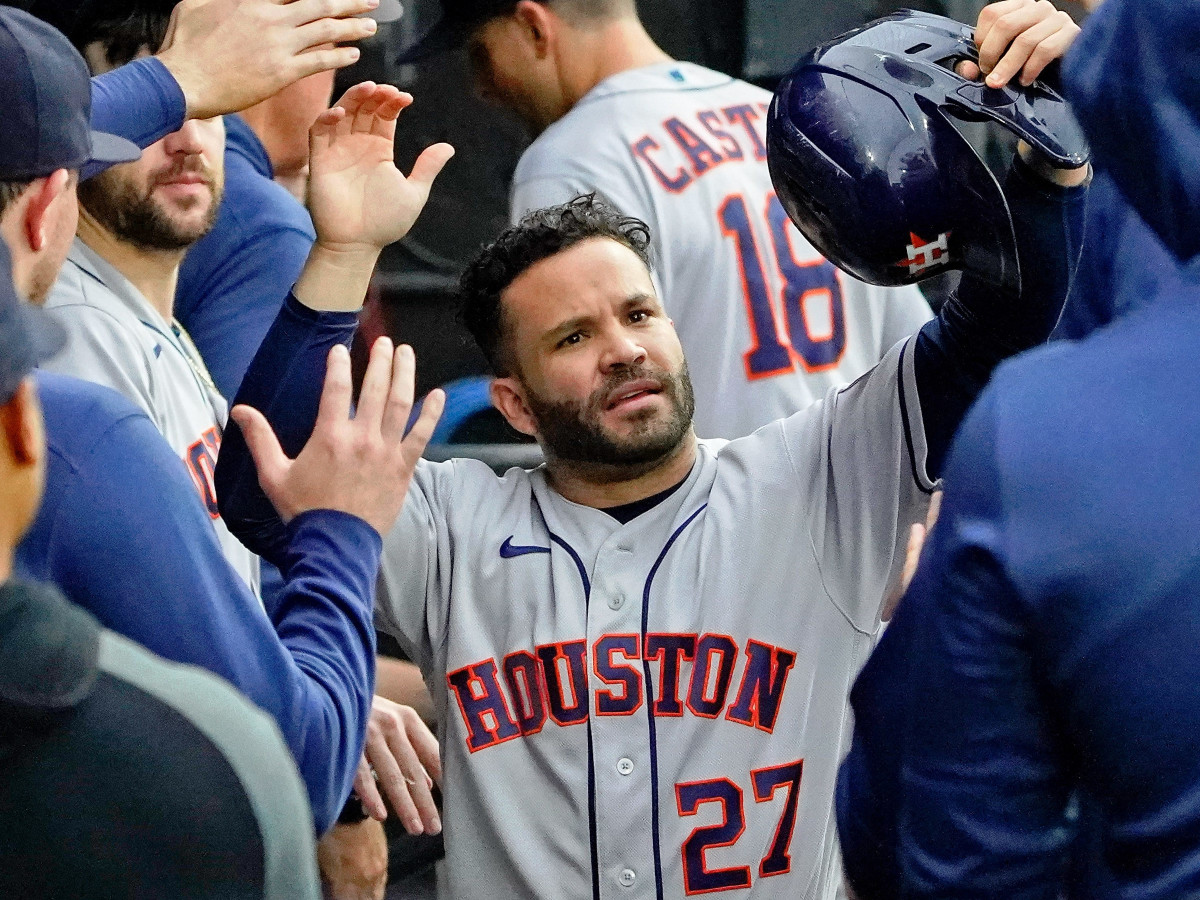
(655, 840)
(908, 441)
(592, 838)
(587, 584)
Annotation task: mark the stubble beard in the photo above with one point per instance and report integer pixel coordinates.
(571, 431)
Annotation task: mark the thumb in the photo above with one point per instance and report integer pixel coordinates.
(430, 163)
(268, 456)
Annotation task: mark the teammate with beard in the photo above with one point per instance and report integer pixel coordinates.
(115, 294)
(641, 651)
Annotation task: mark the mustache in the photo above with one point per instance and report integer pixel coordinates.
(189, 166)
(614, 381)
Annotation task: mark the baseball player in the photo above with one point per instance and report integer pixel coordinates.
(115, 294)
(768, 325)
(641, 651)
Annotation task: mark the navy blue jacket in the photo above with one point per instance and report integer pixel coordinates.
(1045, 658)
(234, 279)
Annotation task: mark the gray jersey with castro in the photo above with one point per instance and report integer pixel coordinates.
(117, 339)
(767, 324)
(618, 689)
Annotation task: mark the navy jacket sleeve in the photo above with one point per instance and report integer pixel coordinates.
(122, 534)
(975, 330)
(141, 102)
(283, 383)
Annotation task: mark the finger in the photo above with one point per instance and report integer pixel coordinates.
(418, 438)
(368, 791)
(968, 70)
(1022, 50)
(384, 123)
(364, 119)
(269, 458)
(393, 783)
(373, 396)
(331, 32)
(425, 745)
(992, 13)
(1050, 49)
(334, 407)
(400, 397)
(430, 164)
(1009, 35)
(323, 129)
(352, 101)
(416, 784)
(311, 62)
(301, 12)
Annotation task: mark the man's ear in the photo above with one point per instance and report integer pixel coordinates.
(538, 22)
(43, 193)
(21, 422)
(509, 397)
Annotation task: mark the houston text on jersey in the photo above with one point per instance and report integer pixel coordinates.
(515, 697)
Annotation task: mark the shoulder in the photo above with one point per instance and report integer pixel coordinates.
(77, 411)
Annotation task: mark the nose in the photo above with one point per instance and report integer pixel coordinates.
(623, 349)
(185, 141)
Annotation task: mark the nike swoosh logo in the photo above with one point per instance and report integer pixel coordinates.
(508, 549)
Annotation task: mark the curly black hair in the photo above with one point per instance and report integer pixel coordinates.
(540, 234)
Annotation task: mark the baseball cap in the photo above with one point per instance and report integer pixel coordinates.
(459, 19)
(27, 334)
(46, 95)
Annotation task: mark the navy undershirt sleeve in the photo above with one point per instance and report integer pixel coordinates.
(956, 352)
(283, 383)
(141, 102)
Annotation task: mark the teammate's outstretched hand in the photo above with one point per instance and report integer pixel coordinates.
(401, 758)
(360, 465)
(359, 200)
(1019, 37)
(230, 54)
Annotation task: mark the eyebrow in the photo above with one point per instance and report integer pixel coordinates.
(571, 325)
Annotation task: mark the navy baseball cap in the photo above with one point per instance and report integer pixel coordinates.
(459, 19)
(46, 95)
(27, 334)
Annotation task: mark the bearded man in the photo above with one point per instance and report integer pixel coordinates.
(116, 293)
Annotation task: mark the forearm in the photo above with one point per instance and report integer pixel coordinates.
(955, 354)
(284, 383)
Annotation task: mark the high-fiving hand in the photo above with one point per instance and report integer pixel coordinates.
(360, 465)
(358, 198)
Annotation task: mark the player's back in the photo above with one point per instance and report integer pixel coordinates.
(768, 325)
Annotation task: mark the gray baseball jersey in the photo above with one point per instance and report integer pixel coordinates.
(116, 338)
(767, 323)
(658, 708)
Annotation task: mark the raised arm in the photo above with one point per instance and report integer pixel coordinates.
(221, 56)
(360, 203)
(976, 330)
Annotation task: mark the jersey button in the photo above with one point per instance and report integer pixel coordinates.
(627, 877)
(616, 601)
(625, 766)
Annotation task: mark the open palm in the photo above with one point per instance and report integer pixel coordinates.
(357, 196)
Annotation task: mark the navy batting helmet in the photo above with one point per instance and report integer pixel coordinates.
(867, 159)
